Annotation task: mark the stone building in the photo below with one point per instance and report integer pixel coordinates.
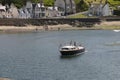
(67, 6)
(8, 11)
(2, 11)
(13, 11)
(99, 9)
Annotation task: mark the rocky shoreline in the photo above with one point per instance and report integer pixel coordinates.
(30, 28)
(5, 79)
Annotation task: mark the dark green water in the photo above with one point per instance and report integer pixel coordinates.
(35, 56)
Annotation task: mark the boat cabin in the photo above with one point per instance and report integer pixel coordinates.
(68, 48)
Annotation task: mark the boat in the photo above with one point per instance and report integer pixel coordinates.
(71, 49)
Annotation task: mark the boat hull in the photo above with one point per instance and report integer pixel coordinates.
(72, 52)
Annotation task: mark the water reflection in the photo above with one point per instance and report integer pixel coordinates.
(71, 56)
(111, 51)
(117, 43)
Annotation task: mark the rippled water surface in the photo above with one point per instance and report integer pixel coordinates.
(35, 56)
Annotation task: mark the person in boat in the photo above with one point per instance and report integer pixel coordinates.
(71, 42)
(75, 44)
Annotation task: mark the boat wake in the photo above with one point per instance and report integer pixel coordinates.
(113, 44)
(86, 51)
(116, 30)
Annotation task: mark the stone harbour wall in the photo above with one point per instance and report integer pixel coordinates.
(79, 22)
(50, 21)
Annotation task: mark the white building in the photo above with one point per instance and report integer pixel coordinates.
(40, 10)
(32, 10)
(53, 12)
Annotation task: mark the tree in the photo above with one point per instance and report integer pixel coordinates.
(82, 6)
(6, 2)
(48, 2)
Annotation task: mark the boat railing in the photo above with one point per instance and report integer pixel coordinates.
(71, 43)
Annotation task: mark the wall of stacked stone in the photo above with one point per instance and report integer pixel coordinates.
(51, 21)
(110, 18)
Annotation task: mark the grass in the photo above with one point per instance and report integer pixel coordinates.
(114, 4)
(77, 16)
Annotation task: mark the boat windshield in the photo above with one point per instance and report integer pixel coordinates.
(65, 48)
(72, 48)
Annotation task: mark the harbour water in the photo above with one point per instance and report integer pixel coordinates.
(35, 56)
